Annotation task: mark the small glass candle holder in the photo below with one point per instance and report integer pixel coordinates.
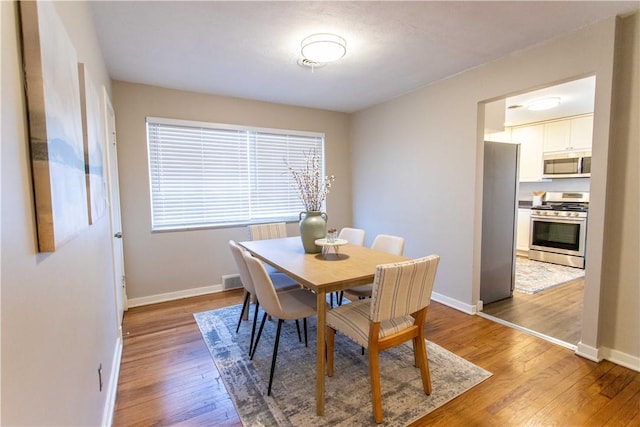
(332, 235)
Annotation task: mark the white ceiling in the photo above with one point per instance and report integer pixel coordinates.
(251, 49)
(576, 97)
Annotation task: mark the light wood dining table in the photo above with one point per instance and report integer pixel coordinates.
(321, 273)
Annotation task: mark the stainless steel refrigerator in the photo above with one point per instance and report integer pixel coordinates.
(499, 211)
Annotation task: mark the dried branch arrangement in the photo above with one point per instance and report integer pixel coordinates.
(312, 188)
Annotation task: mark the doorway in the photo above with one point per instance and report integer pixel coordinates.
(555, 312)
(120, 290)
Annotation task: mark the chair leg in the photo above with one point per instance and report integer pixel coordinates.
(340, 297)
(245, 304)
(374, 373)
(255, 346)
(255, 322)
(298, 328)
(420, 351)
(330, 347)
(304, 322)
(422, 361)
(275, 355)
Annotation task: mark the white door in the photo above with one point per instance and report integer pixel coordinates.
(114, 202)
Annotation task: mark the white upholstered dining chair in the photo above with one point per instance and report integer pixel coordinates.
(290, 305)
(394, 314)
(355, 236)
(281, 282)
(382, 242)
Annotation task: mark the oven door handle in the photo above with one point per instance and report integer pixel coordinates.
(563, 219)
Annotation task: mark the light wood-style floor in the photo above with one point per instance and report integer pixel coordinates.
(168, 377)
(555, 312)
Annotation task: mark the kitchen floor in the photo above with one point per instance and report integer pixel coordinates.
(556, 312)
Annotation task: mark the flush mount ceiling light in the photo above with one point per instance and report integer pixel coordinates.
(543, 104)
(323, 47)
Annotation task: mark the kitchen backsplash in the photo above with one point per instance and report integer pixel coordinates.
(526, 189)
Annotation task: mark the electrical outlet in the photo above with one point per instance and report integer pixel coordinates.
(100, 377)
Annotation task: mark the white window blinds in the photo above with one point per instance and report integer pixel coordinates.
(207, 175)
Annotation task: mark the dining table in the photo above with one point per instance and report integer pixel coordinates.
(321, 273)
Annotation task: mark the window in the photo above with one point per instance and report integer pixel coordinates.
(207, 175)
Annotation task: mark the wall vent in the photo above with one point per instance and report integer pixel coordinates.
(231, 281)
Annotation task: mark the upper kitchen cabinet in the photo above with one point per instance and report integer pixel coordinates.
(557, 136)
(582, 132)
(531, 142)
(504, 136)
(568, 134)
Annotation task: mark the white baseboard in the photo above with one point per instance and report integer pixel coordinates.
(171, 296)
(589, 352)
(453, 303)
(112, 385)
(622, 359)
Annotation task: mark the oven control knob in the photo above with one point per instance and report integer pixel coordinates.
(556, 213)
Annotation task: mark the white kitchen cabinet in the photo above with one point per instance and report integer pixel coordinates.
(531, 145)
(522, 232)
(504, 136)
(581, 133)
(557, 136)
(568, 134)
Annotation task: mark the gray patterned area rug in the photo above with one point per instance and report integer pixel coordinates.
(348, 393)
(535, 276)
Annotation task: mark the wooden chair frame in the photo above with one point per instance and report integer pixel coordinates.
(376, 345)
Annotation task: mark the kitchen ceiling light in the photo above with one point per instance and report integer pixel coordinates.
(543, 104)
(323, 47)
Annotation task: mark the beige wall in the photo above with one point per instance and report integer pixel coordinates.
(427, 150)
(58, 309)
(167, 265)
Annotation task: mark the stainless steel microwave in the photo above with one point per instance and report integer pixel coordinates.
(567, 164)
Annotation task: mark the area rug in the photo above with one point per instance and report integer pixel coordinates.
(348, 393)
(535, 276)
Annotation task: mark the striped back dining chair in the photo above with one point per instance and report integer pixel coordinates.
(394, 314)
(273, 230)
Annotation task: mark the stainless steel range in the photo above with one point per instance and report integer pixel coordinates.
(559, 229)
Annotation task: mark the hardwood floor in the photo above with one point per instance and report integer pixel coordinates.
(168, 377)
(556, 312)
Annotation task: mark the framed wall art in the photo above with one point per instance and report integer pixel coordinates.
(55, 126)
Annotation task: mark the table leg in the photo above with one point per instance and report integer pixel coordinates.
(321, 298)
